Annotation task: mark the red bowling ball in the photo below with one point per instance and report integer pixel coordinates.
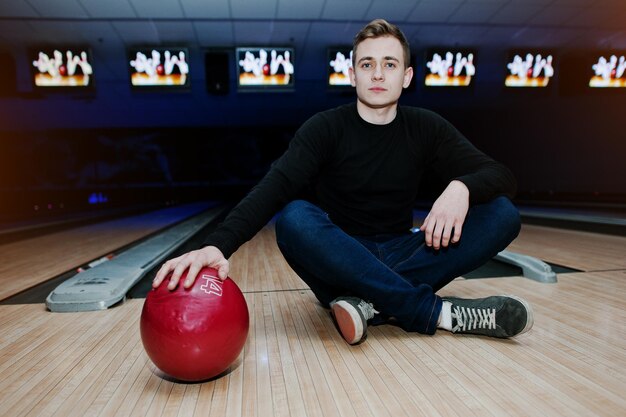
(195, 334)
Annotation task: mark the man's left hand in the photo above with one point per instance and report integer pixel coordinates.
(447, 216)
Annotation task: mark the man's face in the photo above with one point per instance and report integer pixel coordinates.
(379, 74)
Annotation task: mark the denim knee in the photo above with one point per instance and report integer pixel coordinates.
(290, 219)
(504, 219)
(299, 222)
(509, 217)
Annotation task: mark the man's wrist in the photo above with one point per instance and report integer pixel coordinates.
(460, 185)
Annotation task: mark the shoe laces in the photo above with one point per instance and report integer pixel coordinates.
(367, 309)
(473, 318)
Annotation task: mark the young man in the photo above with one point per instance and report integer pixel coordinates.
(351, 242)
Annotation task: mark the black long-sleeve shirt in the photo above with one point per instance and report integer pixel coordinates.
(365, 176)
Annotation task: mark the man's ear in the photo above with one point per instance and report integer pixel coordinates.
(352, 76)
(408, 76)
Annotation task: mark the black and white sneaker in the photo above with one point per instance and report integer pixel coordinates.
(497, 316)
(351, 315)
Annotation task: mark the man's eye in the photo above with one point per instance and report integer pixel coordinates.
(366, 65)
(390, 65)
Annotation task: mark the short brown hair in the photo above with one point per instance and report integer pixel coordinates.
(379, 28)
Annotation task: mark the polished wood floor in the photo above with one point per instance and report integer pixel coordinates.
(573, 362)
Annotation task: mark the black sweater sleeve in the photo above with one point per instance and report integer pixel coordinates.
(286, 179)
(452, 156)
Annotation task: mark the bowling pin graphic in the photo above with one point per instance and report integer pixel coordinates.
(539, 65)
(341, 64)
(469, 66)
(548, 68)
(621, 67)
(275, 62)
(515, 67)
(459, 64)
(56, 63)
(447, 68)
(258, 70)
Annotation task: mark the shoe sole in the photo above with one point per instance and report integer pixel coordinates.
(529, 314)
(349, 321)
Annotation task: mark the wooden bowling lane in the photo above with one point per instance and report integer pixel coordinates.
(585, 251)
(254, 271)
(296, 364)
(29, 262)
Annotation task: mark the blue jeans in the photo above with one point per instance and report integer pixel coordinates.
(397, 273)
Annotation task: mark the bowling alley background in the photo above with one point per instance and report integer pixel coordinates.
(198, 132)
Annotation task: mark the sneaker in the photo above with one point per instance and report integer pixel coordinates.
(351, 315)
(497, 316)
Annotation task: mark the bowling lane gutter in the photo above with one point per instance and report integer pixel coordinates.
(38, 293)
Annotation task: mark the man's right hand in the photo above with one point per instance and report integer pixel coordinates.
(194, 261)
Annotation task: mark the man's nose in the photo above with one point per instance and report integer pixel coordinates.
(377, 74)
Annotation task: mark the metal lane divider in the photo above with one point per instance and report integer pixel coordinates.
(532, 268)
(106, 284)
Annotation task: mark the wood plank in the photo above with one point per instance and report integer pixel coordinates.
(304, 399)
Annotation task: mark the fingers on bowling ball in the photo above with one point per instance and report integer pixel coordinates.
(162, 273)
(174, 278)
(195, 334)
(157, 279)
(191, 275)
(157, 282)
